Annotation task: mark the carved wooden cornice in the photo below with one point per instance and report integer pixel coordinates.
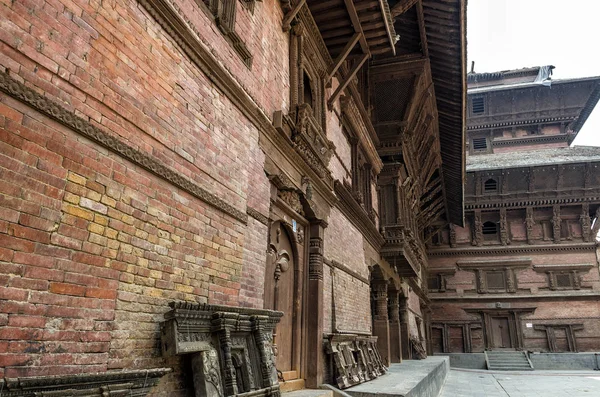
(523, 122)
(442, 270)
(357, 215)
(111, 383)
(500, 250)
(563, 267)
(541, 202)
(493, 263)
(546, 296)
(176, 27)
(55, 111)
(531, 140)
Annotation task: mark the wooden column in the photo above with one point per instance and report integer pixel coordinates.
(395, 330)
(404, 333)
(381, 326)
(315, 361)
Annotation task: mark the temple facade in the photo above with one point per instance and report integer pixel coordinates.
(223, 197)
(523, 272)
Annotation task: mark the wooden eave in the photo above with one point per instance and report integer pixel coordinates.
(445, 23)
(340, 20)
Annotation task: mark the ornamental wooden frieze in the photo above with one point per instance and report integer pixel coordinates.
(231, 348)
(355, 358)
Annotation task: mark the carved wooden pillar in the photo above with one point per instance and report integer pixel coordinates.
(584, 219)
(477, 229)
(314, 373)
(367, 189)
(381, 326)
(354, 163)
(481, 287)
(404, 334)
(529, 223)
(452, 235)
(556, 221)
(395, 330)
(504, 238)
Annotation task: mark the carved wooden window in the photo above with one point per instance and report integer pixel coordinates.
(495, 280)
(565, 230)
(478, 105)
(433, 283)
(564, 280)
(490, 186)
(307, 91)
(546, 230)
(479, 144)
(490, 230)
(224, 13)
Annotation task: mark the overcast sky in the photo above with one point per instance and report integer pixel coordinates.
(512, 34)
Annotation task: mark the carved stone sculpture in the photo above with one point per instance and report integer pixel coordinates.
(231, 347)
(355, 358)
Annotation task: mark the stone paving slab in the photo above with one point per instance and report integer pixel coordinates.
(473, 383)
(422, 378)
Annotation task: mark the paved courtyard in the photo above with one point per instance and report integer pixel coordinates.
(473, 383)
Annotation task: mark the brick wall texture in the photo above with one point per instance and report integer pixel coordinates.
(92, 246)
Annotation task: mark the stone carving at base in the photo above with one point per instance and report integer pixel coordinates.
(117, 383)
(356, 359)
(231, 347)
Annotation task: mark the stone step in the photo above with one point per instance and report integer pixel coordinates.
(308, 393)
(508, 361)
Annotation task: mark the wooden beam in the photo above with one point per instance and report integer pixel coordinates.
(342, 57)
(422, 32)
(287, 20)
(347, 80)
(402, 6)
(357, 27)
(388, 29)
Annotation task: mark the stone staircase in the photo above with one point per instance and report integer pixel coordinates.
(507, 361)
(308, 393)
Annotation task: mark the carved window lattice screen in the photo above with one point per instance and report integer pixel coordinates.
(495, 280)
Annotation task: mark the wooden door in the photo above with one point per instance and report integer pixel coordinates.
(280, 293)
(501, 332)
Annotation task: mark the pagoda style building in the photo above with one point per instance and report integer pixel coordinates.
(523, 272)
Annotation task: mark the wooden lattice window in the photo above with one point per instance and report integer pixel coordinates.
(478, 105)
(490, 186)
(563, 280)
(490, 228)
(480, 144)
(433, 283)
(495, 280)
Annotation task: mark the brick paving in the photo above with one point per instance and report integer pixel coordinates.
(471, 383)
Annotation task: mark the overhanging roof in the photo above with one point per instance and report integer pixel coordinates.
(445, 23)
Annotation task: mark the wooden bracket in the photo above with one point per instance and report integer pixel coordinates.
(402, 6)
(342, 57)
(357, 26)
(287, 20)
(347, 80)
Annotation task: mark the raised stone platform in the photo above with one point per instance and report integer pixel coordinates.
(411, 378)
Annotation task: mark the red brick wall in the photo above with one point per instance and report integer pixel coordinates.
(92, 246)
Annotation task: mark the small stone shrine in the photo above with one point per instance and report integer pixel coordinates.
(356, 359)
(231, 348)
